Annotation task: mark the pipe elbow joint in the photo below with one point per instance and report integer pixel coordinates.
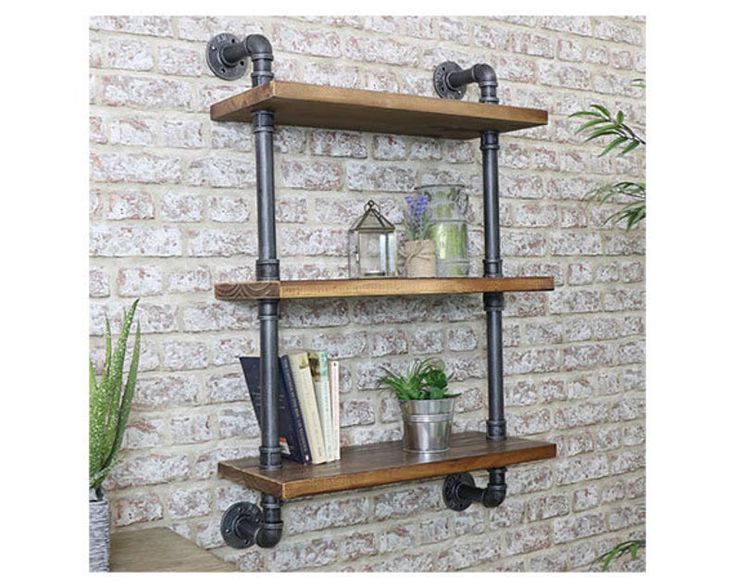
(258, 46)
(269, 534)
(484, 74)
(494, 495)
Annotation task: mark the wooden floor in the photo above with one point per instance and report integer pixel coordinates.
(161, 550)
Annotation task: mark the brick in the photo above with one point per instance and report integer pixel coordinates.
(526, 479)
(380, 50)
(320, 42)
(527, 540)
(327, 74)
(190, 429)
(356, 545)
(337, 144)
(572, 444)
(99, 285)
(139, 281)
(237, 423)
(461, 556)
(577, 527)
(405, 562)
(141, 507)
(150, 93)
(548, 562)
(134, 167)
(180, 61)
(585, 498)
(578, 469)
(356, 412)
(627, 461)
(181, 207)
(165, 391)
(184, 355)
(302, 554)
(143, 433)
(220, 243)
(314, 241)
(129, 54)
(381, 81)
(405, 502)
(372, 177)
(390, 147)
(546, 507)
(522, 244)
(157, 26)
(425, 149)
(574, 301)
(535, 215)
(121, 241)
(623, 300)
(186, 134)
(220, 172)
(529, 423)
(221, 388)
(427, 340)
(531, 361)
(148, 469)
(312, 175)
(197, 279)
(618, 32)
(586, 356)
(579, 25)
(580, 415)
(312, 515)
(97, 130)
(186, 503)
(133, 131)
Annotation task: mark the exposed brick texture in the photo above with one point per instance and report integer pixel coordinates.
(172, 211)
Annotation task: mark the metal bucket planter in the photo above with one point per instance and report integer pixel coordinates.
(427, 425)
(99, 531)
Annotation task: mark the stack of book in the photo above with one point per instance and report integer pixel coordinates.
(308, 404)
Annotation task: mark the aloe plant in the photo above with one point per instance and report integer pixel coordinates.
(110, 400)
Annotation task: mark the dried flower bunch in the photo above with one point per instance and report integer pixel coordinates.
(417, 217)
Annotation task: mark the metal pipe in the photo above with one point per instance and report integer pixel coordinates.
(233, 53)
(494, 302)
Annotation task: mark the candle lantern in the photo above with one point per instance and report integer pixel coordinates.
(372, 245)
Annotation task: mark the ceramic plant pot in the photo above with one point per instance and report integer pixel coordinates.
(99, 531)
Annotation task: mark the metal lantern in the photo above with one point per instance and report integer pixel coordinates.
(372, 245)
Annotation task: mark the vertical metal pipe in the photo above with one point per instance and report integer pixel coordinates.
(267, 268)
(494, 302)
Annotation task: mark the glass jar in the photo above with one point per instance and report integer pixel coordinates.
(448, 205)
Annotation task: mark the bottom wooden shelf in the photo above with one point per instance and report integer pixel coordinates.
(161, 550)
(384, 463)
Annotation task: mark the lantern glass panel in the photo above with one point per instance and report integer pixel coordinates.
(372, 245)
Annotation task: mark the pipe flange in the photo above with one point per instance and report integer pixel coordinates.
(441, 86)
(450, 491)
(240, 524)
(217, 64)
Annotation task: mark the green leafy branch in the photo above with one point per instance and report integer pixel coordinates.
(601, 123)
(632, 212)
(110, 400)
(632, 547)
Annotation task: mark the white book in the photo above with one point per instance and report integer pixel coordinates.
(299, 363)
(320, 377)
(333, 366)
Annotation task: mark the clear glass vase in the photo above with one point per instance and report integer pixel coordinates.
(448, 205)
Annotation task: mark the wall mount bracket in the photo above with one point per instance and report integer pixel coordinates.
(460, 491)
(226, 56)
(240, 524)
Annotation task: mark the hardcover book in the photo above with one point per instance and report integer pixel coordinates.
(293, 438)
(309, 409)
(333, 368)
(320, 376)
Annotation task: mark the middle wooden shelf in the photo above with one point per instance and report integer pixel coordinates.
(365, 466)
(379, 287)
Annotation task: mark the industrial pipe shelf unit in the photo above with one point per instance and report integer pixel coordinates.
(245, 524)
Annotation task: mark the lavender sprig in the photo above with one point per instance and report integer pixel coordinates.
(417, 216)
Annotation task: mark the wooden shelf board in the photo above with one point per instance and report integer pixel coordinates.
(377, 287)
(309, 105)
(376, 464)
(161, 550)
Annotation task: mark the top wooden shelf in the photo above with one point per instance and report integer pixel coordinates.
(309, 105)
(378, 287)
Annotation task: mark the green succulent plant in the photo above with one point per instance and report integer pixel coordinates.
(110, 400)
(424, 380)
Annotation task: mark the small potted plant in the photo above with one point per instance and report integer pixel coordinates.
(109, 407)
(426, 405)
(419, 248)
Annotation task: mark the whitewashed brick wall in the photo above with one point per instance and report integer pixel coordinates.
(172, 211)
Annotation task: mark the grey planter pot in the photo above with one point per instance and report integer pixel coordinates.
(427, 425)
(99, 531)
